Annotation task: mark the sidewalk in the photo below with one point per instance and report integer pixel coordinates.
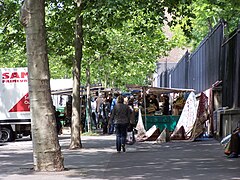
(202, 160)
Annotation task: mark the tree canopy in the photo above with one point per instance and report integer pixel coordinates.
(200, 16)
(122, 39)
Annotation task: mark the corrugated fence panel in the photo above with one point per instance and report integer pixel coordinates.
(204, 63)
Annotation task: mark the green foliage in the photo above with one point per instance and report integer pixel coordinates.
(210, 12)
(128, 59)
(124, 42)
(12, 37)
(178, 39)
(122, 39)
(60, 24)
(203, 15)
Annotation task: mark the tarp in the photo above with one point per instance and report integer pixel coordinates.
(140, 126)
(163, 137)
(151, 135)
(202, 116)
(188, 116)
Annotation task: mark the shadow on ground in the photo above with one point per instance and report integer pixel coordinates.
(99, 160)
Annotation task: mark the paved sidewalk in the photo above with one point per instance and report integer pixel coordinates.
(201, 160)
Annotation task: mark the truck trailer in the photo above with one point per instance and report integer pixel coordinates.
(14, 104)
(15, 120)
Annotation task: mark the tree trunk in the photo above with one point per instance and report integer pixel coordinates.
(76, 115)
(47, 154)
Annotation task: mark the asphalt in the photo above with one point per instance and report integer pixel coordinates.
(98, 159)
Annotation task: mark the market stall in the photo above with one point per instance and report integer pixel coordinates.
(160, 106)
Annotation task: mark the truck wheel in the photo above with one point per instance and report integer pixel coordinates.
(7, 134)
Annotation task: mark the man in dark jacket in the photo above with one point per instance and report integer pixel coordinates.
(121, 117)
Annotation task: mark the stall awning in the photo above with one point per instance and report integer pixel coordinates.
(158, 90)
(67, 91)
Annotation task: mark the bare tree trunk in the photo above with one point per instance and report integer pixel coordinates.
(47, 154)
(76, 103)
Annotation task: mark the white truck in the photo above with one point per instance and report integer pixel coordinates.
(15, 119)
(14, 103)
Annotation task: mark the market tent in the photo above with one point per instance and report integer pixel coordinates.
(157, 90)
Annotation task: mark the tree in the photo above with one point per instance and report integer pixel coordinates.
(198, 17)
(76, 115)
(208, 13)
(125, 35)
(46, 149)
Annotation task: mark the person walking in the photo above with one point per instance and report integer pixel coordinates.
(130, 130)
(99, 109)
(120, 117)
(113, 103)
(94, 107)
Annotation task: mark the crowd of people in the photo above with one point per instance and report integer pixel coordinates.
(114, 113)
(118, 113)
(109, 111)
(102, 105)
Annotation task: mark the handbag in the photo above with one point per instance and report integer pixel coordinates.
(130, 140)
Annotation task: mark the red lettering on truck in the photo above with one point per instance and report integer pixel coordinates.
(14, 77)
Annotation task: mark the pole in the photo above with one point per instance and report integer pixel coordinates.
(88, 105)
(145, 108)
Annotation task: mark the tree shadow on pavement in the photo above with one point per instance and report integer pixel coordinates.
(98, 159)
(173, 161)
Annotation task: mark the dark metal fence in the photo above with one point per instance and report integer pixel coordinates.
(213, 61)
(204, 63)
(231, 70)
